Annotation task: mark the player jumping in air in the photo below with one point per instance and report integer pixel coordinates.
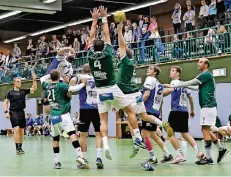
(101, 61)
(208, 104)
(56, 93)
(127, 83)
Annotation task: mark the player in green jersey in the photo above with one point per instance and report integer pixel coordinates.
(101, 60)
(207, 101)
(56, 93)
(127, 83)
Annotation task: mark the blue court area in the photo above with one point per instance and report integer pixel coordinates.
(38, 160)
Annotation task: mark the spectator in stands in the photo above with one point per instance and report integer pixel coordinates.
(140, 21)
(2, 59)
(16, 51)
(112, 30)
(55, 45)
(203, 15)
(153, 24)
(29, 125)
(190, 45)
(144, 37)
(129, 24)
(38, 122)
(176, 18)
(224, 39)
(188, 18)
(46, 127)
(76, 46)
(212, 13)
(220, 11)
(128, 34)
(70, 38)
(43, 48)
(211, 43)
(64, 41)
(146, 22)
(178, 48)
(136, 34)
(8, 59)
(14, 71)
(31, 48)
(83, 40)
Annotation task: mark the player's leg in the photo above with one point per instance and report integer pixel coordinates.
(56, 151)
(159, 133)
(221, 150)
(167, 156)
(68, 127)
(173, 120)
(22, 125)
(95, 119)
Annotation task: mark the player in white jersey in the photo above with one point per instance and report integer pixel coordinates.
(153, 96)
(179, 115)
(89, 113)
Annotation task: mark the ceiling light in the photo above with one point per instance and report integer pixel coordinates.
(15, 39)
(49, 1)
(48, 30)
(79, 22)
(5, 15)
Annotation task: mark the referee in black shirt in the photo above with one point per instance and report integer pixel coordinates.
(17, 98)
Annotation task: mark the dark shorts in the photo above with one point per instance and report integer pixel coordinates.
(17, 119)
(179, 121)
(86, 117)
(149, 126)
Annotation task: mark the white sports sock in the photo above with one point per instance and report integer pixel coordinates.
(99, 153)
(57, 157)
(79, 152)
(196, 149)
(137, 133)
(166, 152)
(179, 152)
(105, 142)
(134, 139)
(152, 155)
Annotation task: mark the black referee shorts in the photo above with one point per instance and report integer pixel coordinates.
(17, 119)
(148, 125)
(179, 121)
(86, 117)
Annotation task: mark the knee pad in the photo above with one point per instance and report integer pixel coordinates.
(71, 133)
(57, 138)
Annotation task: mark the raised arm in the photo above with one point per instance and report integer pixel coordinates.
(44, 78)
(121, 40)
(95, 17)
(76, 88)
(103, 15)
(34, 85)
(192, 82)
(64, 50)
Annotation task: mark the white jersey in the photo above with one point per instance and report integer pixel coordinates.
(88, 94)
(154, 101)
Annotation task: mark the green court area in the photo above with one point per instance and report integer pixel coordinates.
(38, 160)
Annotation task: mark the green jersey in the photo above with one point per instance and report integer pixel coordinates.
(57, 96)
(207, 89)
(102, 66)
(127, 76)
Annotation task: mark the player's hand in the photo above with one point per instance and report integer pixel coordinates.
(166, 85)
(192, 114)
(103, 11)
(7, 115)
(95, 13)
(84, 80)
(33, 75)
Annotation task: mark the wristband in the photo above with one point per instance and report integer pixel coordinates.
(104, 19)
(5, 112)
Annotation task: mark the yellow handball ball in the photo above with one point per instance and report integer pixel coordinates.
(119, 17)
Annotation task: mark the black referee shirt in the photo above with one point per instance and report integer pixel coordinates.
(17, 99)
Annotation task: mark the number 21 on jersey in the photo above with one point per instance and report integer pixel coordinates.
(51, 95)
(97, 64)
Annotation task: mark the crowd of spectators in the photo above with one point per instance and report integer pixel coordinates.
(140, 33)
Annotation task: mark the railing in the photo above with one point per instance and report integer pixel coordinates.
(145, 52)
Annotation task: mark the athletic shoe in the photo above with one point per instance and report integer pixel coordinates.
(178, 159)
(108, 154)
(57, 165)
(18, 152)
(21, 151)
(82, 162)
(153, 161)
(222, 154)
(168, 129)
(147, 166)
(99, 163)
(140, 143)
(205, 161)
(200, 156)
(135, 152)
(167, 159)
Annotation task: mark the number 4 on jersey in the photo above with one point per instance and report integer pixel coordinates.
(97, 64)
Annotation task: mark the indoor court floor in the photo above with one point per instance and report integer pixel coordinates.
(38, 160)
